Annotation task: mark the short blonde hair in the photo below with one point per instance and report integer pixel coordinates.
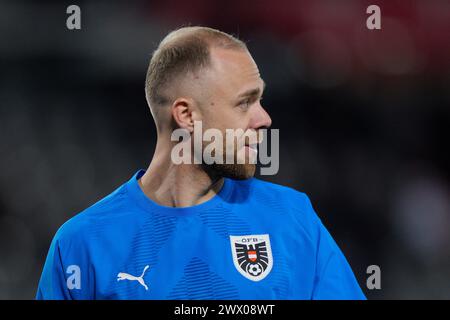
(183, 50)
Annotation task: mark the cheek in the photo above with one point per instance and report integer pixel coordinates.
(224, 116)
(218, 118)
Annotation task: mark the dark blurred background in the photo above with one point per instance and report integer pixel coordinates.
(363, 118)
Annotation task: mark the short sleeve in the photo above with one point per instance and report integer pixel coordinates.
(53, 282)
(334, 278)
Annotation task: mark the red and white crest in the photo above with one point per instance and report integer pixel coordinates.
(252, 255)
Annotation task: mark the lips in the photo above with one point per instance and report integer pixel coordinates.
(253, 147)
(252, 150)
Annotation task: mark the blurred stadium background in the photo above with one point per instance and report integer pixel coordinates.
(363, 118)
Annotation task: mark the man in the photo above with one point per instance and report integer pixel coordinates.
(199, 231)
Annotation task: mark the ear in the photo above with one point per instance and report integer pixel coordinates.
(184, 113)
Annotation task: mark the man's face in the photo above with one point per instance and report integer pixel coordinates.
(233, 101)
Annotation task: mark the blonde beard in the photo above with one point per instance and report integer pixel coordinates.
(232, 171)
(235, 170)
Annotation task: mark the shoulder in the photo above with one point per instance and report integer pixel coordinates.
(287, 199)
(286, 195)
(79, 226)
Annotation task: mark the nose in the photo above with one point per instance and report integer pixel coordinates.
(260, 118)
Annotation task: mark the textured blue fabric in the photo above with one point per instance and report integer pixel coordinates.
(102, 253)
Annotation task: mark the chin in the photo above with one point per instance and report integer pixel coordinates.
(232, 171)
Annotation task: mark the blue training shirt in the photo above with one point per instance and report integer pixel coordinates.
(253, 240)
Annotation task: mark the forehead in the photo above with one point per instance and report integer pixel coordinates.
(234, 70)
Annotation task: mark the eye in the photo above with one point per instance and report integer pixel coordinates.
(245, 104)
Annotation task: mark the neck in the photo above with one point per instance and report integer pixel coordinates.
(172, 185)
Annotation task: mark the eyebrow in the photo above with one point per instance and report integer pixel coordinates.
(252, 92)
